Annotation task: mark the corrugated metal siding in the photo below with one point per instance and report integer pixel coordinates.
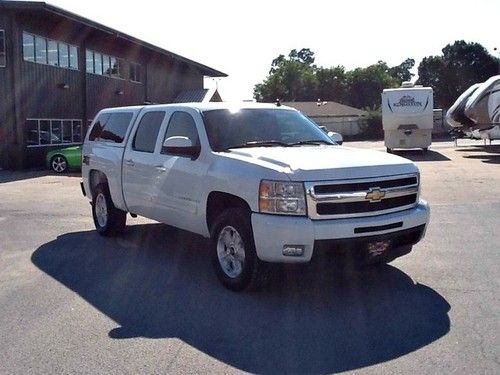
(103, 92)
(43, 95)
(158, 77)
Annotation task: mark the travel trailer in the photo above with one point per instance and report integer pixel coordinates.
(483, 106)
(455, 116)
(476, 113)
(407, 117)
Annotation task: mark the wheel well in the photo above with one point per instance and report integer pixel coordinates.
(53, 156)
(95, 178)
(218, 202)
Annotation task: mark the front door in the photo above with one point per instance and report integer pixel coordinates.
(177, 192)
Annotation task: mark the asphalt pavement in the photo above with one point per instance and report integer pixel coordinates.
(72, 301)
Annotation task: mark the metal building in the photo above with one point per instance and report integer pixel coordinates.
(57, 70)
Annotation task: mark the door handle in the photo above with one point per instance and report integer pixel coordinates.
(129, 162)
(160, 168)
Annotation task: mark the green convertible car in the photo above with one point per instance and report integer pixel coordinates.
(63, 159)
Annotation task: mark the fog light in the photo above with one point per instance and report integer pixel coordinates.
(293, 250)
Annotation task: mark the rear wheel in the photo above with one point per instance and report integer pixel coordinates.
(108, 219)
(233, 252)
(389, 150)
(59, 164)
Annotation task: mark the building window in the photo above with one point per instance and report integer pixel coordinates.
(53, 53)
(28, 47)
(2, 49)
(50, 52)
(63, 55)
(89, 61)
(46, 132)
(40, 50)
(73, 57)
(106, 69)
(116, 67)
(135, 72)
(100, 64)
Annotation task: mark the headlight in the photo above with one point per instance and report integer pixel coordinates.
(281, 197)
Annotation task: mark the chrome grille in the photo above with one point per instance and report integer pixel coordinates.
(358, 198)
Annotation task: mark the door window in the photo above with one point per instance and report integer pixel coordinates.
(182, 124)
(147, 132)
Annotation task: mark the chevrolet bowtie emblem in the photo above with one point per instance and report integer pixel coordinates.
(375, 195)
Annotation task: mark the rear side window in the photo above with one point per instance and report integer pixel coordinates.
(147, 132)
(98, 126)
(111, 127)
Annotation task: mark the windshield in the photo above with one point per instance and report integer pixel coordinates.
(260, 127)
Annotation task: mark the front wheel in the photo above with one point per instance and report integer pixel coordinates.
(59, 164)
(233, 251)
(108, 219)
(389, 150)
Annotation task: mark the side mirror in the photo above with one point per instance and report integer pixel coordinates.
(336, 137)
(180, 146)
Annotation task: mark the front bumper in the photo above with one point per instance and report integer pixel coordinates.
(272, 232)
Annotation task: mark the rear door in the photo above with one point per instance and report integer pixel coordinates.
(140, 166)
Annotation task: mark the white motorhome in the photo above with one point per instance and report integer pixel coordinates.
(407, 116)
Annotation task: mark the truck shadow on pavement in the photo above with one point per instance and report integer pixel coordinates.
(157, 282)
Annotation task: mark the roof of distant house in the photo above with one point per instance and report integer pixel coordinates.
(325, 109)
(42, 6)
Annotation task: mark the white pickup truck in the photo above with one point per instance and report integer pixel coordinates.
(264, 183)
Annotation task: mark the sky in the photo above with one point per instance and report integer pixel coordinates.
(241, 38)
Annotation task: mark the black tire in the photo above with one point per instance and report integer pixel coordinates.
(115, 220)
(425, 149)
(389, 150)
(236, 223)
(59, 164)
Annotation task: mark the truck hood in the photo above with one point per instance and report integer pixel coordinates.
(317, 163)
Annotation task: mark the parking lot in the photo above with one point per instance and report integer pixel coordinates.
(149, 302)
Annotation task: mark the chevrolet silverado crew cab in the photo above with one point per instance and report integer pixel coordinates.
(263, 182)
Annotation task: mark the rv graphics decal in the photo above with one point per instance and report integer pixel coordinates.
(407, 101)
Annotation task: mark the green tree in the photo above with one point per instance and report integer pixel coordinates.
(290, 78)
(461, 65)
(366, 84)
(332, 84)
(402, 71)
(296, 78)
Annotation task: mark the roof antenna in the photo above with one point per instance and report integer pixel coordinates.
(278, 103)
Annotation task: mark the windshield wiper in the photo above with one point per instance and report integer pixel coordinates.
(316, 142)
(257, 144)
